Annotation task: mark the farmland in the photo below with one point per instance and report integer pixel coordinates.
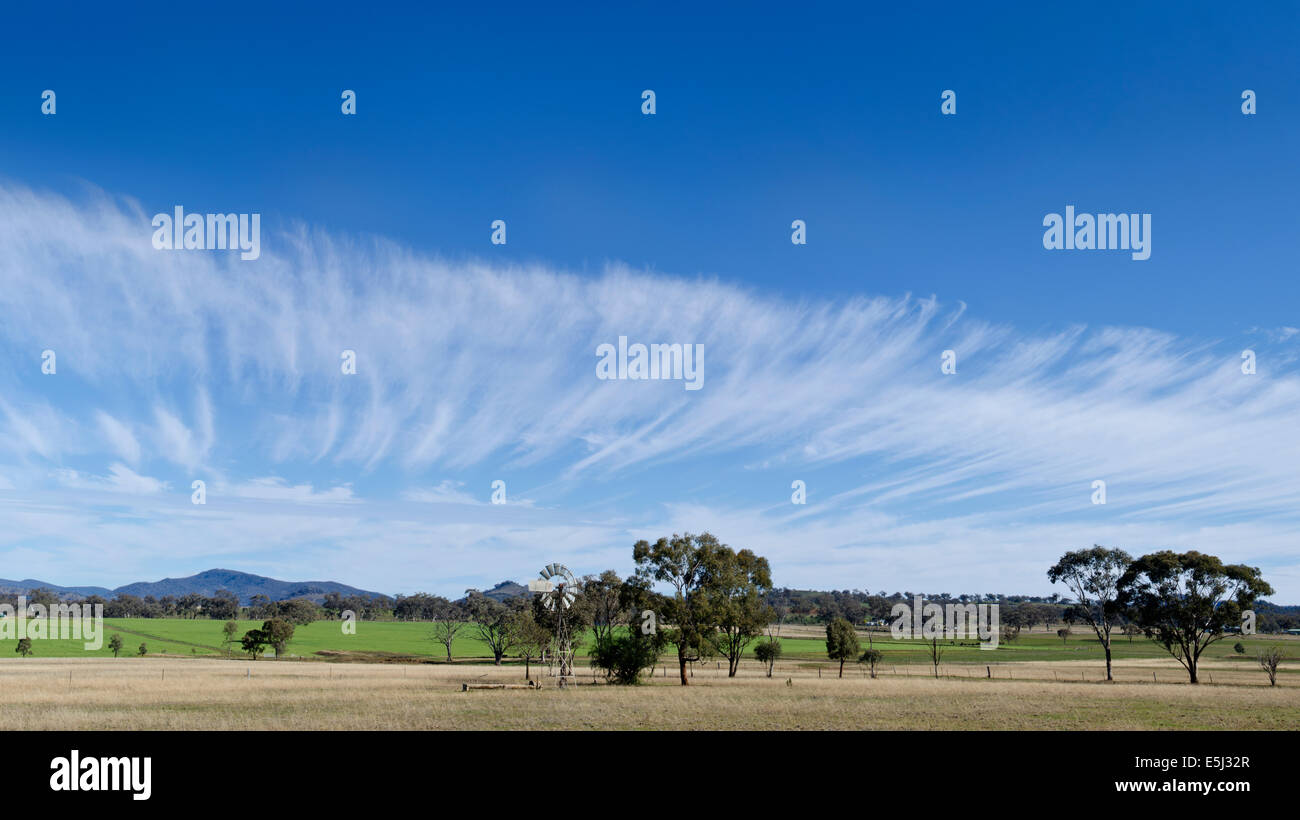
(209, 694)
(404, 641)
(396, 677)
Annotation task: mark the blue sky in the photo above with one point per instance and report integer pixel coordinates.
(476, 362)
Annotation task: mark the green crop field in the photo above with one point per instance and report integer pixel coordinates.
(410, 641)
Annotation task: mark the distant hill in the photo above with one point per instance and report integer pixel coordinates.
(506, 590)
(207, 583)
(8, 587)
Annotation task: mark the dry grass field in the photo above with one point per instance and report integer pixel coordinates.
(203, 694)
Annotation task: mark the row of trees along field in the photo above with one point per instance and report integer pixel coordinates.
(805, 606)
(1183, 601)
(713, 605)
(697, 598)
(224, 605)
(706, 600)
(798, 606)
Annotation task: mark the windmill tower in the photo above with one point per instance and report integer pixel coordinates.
(558, 588)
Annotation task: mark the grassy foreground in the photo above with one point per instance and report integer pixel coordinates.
(397, 680)
(213, 694)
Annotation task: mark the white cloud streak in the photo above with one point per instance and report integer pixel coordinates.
(464, 365)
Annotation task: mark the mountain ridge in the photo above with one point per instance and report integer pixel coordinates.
(207, 583)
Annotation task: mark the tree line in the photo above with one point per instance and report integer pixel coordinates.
(696, 598)
(1184, 602)
(224, 605)
(713, 604)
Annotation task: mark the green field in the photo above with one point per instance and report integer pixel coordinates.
(410, 642)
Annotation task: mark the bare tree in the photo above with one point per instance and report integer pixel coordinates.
(449, 619)
(769, 651)
(1044, 614)
(936, 652)
(780, 604)
(494, 621)
(1269, 661)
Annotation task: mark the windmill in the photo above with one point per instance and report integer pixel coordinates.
(557, 587)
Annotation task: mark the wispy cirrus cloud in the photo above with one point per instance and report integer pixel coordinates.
(120, 479)
(445, 492)
(219, 367)
(274, 488)
(119, 438)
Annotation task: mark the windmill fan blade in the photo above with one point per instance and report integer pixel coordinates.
(557, 594)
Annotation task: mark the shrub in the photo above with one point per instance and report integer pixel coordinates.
(872, 657)
(625, 656)
(768, 653)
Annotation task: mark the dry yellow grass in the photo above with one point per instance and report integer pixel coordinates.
(216, 694)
